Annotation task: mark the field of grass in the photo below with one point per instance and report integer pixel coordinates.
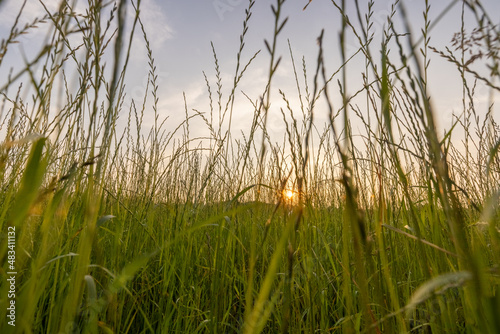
(393, 228)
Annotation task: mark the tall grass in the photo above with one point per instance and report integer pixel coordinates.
(392, 228)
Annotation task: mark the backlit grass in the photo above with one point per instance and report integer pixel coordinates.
(374, 222)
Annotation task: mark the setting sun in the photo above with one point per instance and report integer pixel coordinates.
(289, 194)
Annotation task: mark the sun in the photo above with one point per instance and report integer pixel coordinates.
(289, 194)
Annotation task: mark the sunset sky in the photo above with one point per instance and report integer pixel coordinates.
(180, 33)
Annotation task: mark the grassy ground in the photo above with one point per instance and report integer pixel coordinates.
(157, 231)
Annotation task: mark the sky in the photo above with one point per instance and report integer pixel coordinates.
(192, 25)
(181, 33)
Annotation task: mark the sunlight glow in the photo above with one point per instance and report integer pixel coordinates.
(289, 194)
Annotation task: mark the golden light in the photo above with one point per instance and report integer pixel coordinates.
(289, 194)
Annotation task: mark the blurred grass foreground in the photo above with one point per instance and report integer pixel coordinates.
(361, 216)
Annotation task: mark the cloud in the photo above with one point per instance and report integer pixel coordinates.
(10, 9)
(152, 14)
(155, 23)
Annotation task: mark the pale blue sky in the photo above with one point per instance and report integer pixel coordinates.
(181, 31)
(195, 23)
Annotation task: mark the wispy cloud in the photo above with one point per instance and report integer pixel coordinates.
(156, 23)
(33, 9)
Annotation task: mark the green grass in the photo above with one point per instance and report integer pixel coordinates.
(394, 228)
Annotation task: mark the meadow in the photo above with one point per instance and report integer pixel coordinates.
(388, 226)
